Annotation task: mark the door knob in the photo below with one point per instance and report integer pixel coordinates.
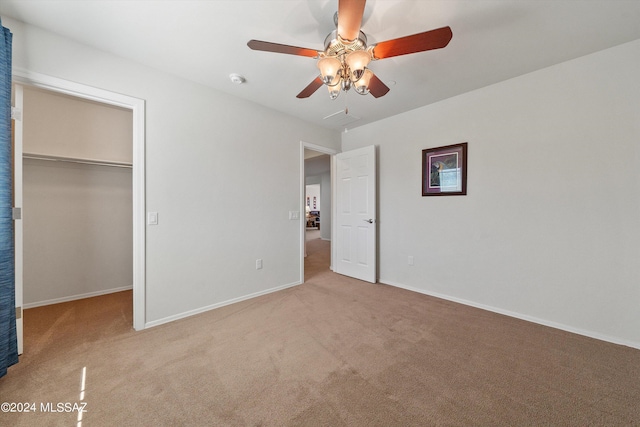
(370, 221)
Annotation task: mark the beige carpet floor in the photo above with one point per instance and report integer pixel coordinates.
(331, 352)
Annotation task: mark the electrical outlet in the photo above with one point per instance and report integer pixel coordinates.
(410, 260)
(258, 264)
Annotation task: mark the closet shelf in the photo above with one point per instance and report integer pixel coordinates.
(76, 160)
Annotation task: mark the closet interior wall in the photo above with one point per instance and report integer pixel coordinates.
(77, 190)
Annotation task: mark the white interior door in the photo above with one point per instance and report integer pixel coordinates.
(356, 214)
(17, 202)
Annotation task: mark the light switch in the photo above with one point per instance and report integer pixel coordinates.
(294, 214)
(152, 218)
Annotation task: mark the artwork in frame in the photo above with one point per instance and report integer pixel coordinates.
(444, 170)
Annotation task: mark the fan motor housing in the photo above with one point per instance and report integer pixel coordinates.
(334, 45)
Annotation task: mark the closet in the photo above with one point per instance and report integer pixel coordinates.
(77, 198)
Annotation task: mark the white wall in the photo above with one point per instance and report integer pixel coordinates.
(205, 172)
(312, 198)
(66, 126)
(77, 231)
(549, 230)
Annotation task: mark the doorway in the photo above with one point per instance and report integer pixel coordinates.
(316, 218)
(77, 198)
(136, 107)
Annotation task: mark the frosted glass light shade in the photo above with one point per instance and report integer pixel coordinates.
(357, 62)
(362, 85)
(334, 90)
(329, 68)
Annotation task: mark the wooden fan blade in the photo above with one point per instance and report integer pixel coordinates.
(282, 48)
(434, 39)
(377, 88)
(350, 18)
(310, 89)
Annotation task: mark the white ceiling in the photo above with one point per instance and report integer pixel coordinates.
(205, 41)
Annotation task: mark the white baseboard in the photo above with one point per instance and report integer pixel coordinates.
(217, 305)
(75, 297)
(560, 326)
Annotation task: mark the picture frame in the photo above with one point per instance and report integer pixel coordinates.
(444, 170)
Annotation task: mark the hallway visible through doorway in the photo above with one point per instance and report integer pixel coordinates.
(318, 259)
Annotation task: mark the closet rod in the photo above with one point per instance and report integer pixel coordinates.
(76, 160)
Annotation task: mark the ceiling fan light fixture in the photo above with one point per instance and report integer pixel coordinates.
(346, 56)
(357, 62)
(336, 45)
(329, 67)
(334, 90)
(346, 84)
(362, 85)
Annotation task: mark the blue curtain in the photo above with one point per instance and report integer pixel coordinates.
(8, 339)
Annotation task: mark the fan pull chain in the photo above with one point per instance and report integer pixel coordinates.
(346, 106)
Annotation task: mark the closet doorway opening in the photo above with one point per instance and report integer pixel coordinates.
(91, 188)
(77, 205)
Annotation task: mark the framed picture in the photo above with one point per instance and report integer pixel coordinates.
(444, 170)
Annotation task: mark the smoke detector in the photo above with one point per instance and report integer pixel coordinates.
(237, 78)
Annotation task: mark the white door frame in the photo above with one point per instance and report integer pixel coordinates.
(331, 152)
(137, 106)
(18, 95)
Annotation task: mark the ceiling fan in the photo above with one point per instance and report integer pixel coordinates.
(346, 56)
